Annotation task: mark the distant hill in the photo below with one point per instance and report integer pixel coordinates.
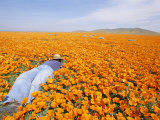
(137, 31)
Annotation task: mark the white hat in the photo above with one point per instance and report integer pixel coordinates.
(57, 56)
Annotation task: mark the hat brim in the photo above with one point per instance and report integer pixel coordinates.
(57, 58)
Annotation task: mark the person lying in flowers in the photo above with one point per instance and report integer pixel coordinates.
(30, 81)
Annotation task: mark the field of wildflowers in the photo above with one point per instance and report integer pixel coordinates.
(107, 79)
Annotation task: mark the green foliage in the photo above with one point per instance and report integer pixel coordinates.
(22, 67)
(27, 115)
(12, 79)
(149, 106)
(44, 111)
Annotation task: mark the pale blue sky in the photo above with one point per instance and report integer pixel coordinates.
(69, 15)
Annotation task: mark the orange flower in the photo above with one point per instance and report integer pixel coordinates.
(59, 110)
(36, 93)
(96, 69)
(108, 117)
(120, 116)
(49, 113)
(53, 104)
(116, 100)
(42, 104)
(156, 109)
(50, 81)
(45, 87)
(132, 102)
(24, 100)
(8, 118)
(154, 117)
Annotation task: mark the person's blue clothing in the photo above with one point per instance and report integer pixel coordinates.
(53, 64)
(30, 81)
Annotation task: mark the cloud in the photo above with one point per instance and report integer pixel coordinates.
(81, 14)
(130, 13)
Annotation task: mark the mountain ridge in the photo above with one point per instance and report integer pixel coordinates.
(135, 31)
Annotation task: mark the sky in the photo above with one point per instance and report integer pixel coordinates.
(70, 15)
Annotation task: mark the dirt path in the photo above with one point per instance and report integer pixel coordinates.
(8, 110)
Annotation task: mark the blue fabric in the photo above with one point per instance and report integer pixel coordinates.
(53, 64)
(29, 82)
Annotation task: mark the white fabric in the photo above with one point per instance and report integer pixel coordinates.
(29, 82)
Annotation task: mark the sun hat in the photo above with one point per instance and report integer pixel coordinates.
(57, 56)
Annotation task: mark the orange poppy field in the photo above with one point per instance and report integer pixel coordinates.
(104, 76)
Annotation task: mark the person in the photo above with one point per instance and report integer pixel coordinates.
(30, 81)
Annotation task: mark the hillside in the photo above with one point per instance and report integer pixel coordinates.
(134, 31)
